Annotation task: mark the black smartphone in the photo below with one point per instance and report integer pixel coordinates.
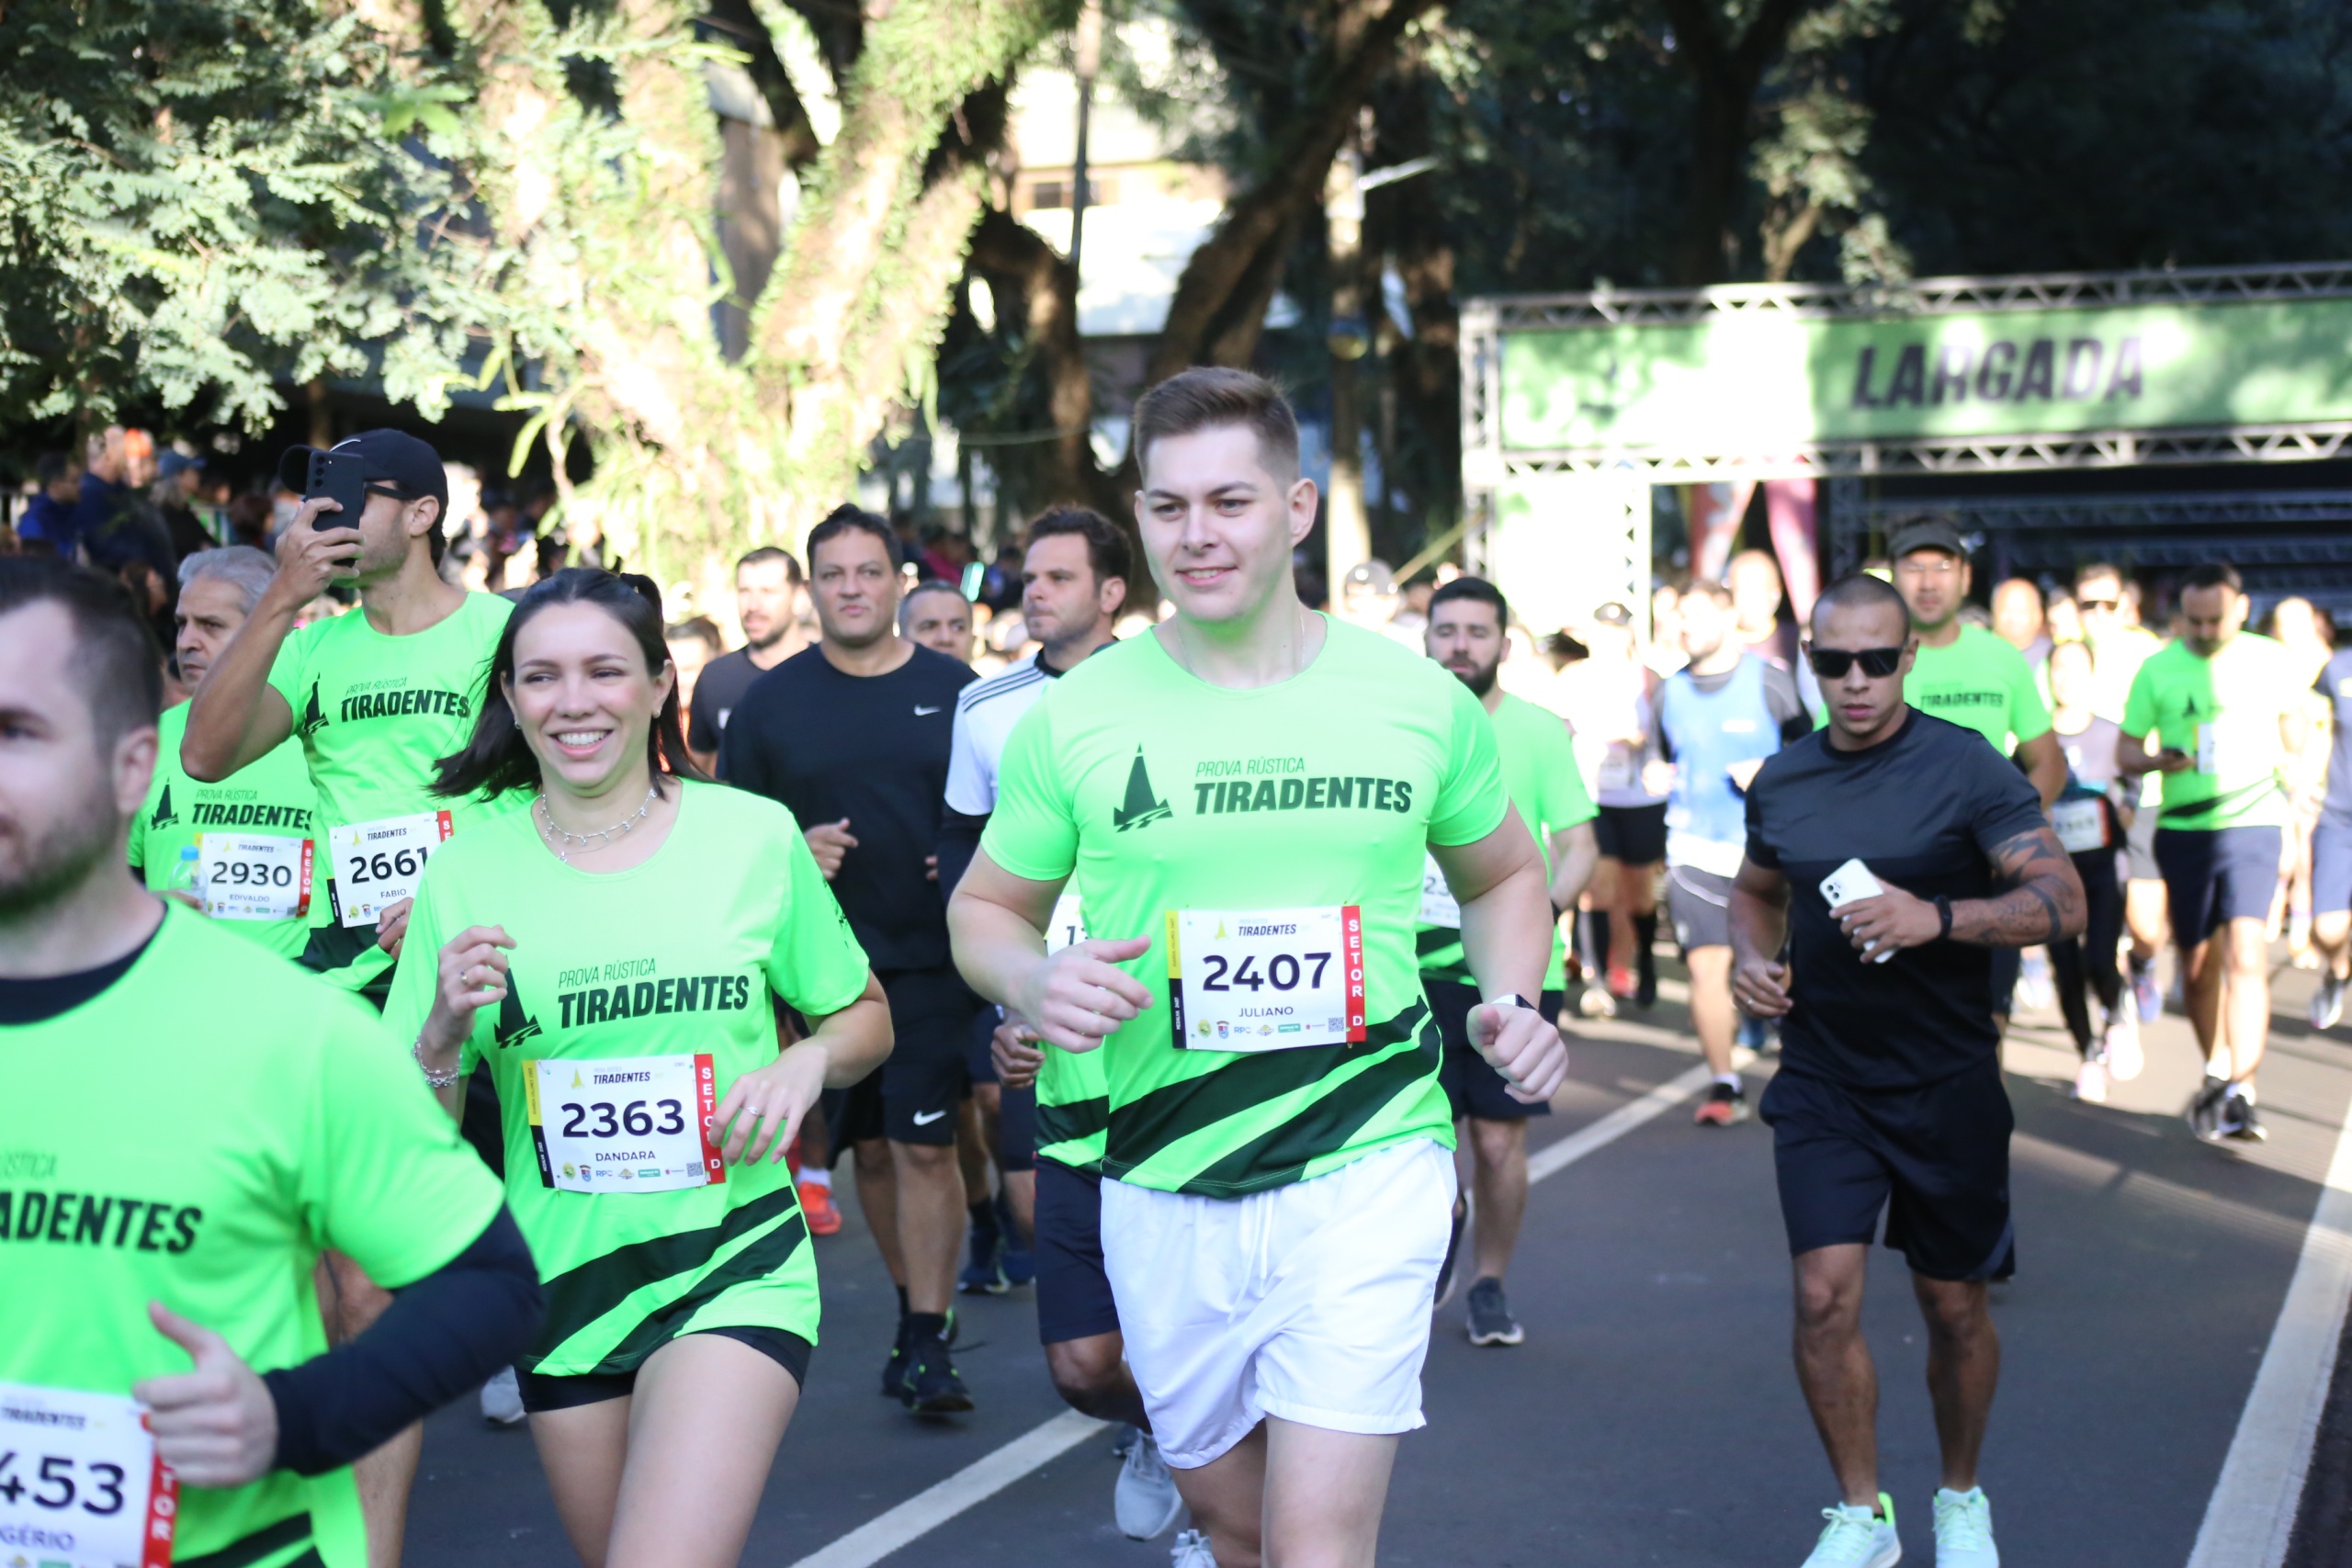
(342, 478)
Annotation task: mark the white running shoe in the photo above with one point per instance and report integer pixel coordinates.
(502, 1399)
(1191, 1550)
(1145, 1501)
(1964, 1530)
(2090, 1081)
(2327, 1002)
(1855, 1537)
(2121, 1044)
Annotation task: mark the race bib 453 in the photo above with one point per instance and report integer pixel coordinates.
(1266, 979)
(624, 1123)
(80, 1485)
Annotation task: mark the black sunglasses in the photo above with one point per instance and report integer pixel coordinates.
(1831, 664)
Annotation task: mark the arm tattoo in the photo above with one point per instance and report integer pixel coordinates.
(2043, 900)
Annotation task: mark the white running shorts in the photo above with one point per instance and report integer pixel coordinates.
(1310, 1302)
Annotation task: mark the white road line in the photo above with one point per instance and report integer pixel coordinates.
(1600, 1134)
(976, 1483)
(992, 1472)
(2251, 1511)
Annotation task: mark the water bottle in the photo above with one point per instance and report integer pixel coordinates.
(187, 876)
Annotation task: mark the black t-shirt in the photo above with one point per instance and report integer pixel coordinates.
(873, 749)
(718, 691)
(1923, 811)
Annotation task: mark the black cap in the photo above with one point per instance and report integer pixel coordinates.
(1927, 534)
(393, 457)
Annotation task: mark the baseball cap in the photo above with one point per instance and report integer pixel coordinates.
(393, 457)
(171, 464)
(1927, 534)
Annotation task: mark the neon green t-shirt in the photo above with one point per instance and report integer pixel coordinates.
(195, 1135)
(1181, 807)
(2225, 713)
(375, 713)
(1981, 683)
(1541, 776)
(271, 802)
(673, 958)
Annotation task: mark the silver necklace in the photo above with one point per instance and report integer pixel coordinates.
(557, 837)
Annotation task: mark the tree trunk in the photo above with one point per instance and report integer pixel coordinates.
(864, 289)
(1222, 295)
(1725, 73)
(1043, 285)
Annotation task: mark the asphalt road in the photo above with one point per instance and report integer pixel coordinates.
(1652, 1417)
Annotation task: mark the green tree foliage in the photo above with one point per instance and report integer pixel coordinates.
(203, 198)
(215, 201)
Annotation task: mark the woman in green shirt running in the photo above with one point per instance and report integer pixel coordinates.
(608, 955)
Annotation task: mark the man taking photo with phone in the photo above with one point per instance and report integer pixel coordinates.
(1892, 855)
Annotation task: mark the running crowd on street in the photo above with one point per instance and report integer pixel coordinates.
(502, 971)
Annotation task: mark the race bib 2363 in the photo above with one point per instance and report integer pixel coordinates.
(624, 1123)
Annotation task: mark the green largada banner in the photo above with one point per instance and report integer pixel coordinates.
(1761, 382)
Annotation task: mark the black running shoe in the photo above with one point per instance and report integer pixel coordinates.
(2239, 1124)
(1452, 1251)
(894, 1371)
(1490, 1319)
(1646, 989)
(2205, 1110)
(933, 1387)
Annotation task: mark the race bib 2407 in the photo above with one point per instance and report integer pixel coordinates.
(1266, 979)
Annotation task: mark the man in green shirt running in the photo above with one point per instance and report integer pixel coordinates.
(1245, 798)
(1967, 675)
(190, 1121)
(374, 697)
(1467, 617)
(256, 829)
(2216, 712)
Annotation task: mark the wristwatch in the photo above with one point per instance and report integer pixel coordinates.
(1943, 912)
(1515, 1000)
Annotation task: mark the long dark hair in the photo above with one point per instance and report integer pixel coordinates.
(497, 759)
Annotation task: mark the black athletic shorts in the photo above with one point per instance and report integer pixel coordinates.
(1935, 1159)
(2214, 875)
(1073, 1288)
(786, 1349)
(978, 1065)
(1473, 1087)
(1699, 903)
(912, 1097)
(1634, 834)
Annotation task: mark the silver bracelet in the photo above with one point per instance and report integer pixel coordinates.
(437, 1080)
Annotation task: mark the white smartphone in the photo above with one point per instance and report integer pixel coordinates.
(1850, 882)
